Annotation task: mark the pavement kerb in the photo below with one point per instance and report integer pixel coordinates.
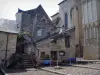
(53, 71)
(85, 67)
(4, 73)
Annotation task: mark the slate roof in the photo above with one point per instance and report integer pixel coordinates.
(35, 11)
(31, 11)
(9, 26)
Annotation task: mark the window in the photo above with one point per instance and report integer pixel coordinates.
(39, 32)
(67, 41)
(66, 21)
(42, 55)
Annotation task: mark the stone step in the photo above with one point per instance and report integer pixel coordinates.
(25, 63)
(26, 58)
(28, 64)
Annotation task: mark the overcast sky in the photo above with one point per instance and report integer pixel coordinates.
(8, 8)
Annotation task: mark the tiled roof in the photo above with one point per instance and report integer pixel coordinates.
(8, 26)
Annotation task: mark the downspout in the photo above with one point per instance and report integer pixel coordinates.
(5, 59)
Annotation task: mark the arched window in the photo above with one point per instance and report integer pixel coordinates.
(66, 21)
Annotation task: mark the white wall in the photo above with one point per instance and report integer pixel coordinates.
(11, 47)
(3, 38)
(65, 8)
(60, 24)
(19, 19)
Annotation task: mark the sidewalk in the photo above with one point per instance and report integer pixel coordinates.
(88, 69)
(53, 70)
(90, 66)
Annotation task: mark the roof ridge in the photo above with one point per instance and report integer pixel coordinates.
(20, 10)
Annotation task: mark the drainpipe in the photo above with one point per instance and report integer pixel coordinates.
(5, 59)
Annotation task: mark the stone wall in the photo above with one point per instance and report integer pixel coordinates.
(3, 39)
(91, 52)
(11, 47)
(46, 46)
(91, 28)
(71, 51)
(66, 7)
(91, 49)
(43, 46)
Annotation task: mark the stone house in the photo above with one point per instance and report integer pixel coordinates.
(68, 33)
(36, 23)
(50, 48)
(8, 37)
(56, 44)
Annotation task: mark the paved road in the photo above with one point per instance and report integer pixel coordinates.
(31, 71)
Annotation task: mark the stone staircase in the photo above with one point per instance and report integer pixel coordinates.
(26, 62)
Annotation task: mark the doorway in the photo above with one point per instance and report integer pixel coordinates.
(54, 55)
(20, 49)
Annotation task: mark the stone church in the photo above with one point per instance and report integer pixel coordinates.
(83, 16)
(91, 28)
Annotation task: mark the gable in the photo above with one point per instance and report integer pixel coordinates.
(42, 14)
